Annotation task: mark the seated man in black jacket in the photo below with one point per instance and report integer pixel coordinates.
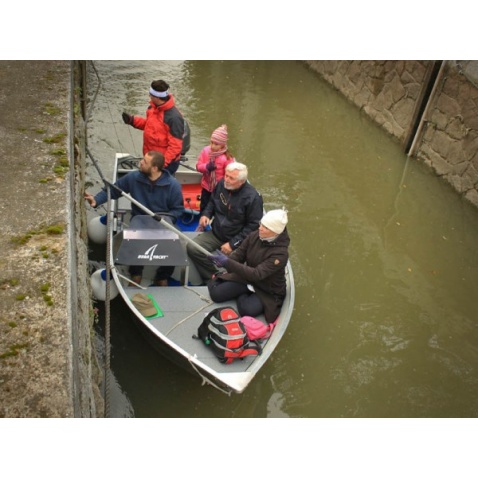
(237, 209)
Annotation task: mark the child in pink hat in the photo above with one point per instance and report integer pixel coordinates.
(212, 162)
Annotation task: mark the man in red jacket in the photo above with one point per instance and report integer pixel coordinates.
(164, 128)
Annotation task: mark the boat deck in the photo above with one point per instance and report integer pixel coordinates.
(184, 309)
(145, 242)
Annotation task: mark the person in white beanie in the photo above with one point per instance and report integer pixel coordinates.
(275, 221)
(255, 274)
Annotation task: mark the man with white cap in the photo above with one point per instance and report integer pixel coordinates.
(256, 269)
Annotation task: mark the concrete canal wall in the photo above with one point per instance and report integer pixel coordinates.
(430, 107)
(48, 364)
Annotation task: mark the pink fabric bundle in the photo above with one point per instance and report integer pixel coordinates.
(255, 329)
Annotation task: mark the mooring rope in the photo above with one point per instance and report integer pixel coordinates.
(206, 380)
(128, 127)
(205, 306)
(107, 307)
(108, 262)
(397, 197)
(113, 122)
(108, 269)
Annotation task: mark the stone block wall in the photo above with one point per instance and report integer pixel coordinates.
(430, 107)
(449, 140)
(387, 91)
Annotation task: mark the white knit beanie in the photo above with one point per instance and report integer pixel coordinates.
(275, 220)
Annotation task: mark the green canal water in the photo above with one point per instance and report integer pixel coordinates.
(384, 253)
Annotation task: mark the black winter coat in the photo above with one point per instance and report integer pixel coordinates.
(236, 213)
(262, 264)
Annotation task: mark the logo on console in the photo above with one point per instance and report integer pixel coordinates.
(150, 255)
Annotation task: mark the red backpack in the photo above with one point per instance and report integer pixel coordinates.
(223, 331)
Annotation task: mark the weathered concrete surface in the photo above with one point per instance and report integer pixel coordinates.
(47, 364)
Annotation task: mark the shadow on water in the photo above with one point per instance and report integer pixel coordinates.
(384, 253)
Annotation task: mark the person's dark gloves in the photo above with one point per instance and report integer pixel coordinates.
(219, 259)
(128, 119)
(211, 166)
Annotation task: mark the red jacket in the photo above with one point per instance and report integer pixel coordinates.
(163, 130)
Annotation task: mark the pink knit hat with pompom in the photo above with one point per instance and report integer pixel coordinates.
(219, 135)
